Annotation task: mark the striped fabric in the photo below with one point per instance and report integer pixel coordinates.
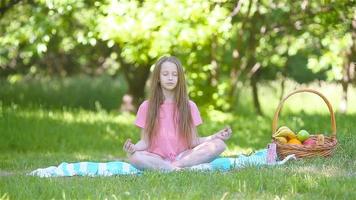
(259, 158)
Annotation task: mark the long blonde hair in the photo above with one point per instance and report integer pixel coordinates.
(156, 98)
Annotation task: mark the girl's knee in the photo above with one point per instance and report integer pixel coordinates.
(135, 157)
(219, 144)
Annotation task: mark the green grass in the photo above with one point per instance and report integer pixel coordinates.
(86, 92)
(34, 136)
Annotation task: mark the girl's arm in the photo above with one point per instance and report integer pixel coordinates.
(222, 134)
(206, 139)
(199, 140)
(141, 145)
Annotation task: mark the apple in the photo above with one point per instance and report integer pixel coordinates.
(309, 141)
(303, 135)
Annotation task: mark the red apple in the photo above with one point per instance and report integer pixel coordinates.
(309, 141)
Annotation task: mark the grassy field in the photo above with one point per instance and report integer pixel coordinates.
(42, 133)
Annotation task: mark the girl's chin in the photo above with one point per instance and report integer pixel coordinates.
(171, 88)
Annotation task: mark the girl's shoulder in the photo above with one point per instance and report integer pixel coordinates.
(144, 104)
(192, 104)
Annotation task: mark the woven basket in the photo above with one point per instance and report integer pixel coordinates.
(302, 151)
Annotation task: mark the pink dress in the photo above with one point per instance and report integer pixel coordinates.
(168, 143)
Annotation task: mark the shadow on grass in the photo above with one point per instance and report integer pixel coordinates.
(86, 92)
(27, 131)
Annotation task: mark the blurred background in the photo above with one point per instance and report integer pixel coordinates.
(73, 72)
(237, 54)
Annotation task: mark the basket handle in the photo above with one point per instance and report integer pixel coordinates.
(332, 115)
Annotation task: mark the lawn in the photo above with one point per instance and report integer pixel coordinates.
(37, 135)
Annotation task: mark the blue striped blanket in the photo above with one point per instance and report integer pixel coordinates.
(259, 158)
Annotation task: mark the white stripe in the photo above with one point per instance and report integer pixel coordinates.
(70, 169)
(83, 167)
(102, 169)
(59, 171)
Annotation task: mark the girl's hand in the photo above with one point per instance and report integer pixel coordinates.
(224, 134)
(129, 147)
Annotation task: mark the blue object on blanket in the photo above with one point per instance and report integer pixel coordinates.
(258, 158)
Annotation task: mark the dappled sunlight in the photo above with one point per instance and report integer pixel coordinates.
(74, 116)
(234, 151)
(82, 156)
(325, 170)
(65, 131)
(328, 171)
(97, 157)
(219, 116)
(305, 102)
(311, 181)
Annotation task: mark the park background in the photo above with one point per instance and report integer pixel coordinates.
(72, 73)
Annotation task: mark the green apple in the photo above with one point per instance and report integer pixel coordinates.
(303, 135)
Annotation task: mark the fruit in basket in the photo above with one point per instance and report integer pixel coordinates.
(309, 142)
(303, 135)
(294, 141)
(320, 139)
(282, 140)
(286, 132)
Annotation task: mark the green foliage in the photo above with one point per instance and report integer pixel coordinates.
(297, 68)
(221, 43)
(146, 31)
(50, 37)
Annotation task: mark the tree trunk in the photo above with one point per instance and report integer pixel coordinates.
(282, 88)
(136, 78)
(256, 101)
(343, 104)
(236, 67)
(349, 67)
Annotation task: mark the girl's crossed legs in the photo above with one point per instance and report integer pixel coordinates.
(203, 153)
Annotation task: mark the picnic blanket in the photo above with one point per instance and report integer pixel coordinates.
(258, 158)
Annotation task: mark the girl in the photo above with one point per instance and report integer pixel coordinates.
(169, 138)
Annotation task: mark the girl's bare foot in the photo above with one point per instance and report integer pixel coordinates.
(224, 134)
(175, 167)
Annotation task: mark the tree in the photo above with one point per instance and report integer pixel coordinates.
(144, 31)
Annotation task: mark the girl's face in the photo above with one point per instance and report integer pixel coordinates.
(168, 76)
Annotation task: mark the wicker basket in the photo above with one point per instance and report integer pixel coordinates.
(302, 151)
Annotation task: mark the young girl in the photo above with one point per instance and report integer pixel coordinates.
(169, 138)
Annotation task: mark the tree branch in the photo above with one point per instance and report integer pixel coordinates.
(5, 6)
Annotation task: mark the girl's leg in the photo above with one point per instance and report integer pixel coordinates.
(203, 153)
(146, 160)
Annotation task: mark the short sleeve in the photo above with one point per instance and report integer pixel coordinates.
(195, 114)
(141, 115)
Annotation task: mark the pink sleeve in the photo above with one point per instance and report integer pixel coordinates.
(195, 114)
(141, 115)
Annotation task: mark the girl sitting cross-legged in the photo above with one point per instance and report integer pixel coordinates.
(169, 138)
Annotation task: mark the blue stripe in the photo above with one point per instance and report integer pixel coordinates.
(92, 168)
(221, 164)
(115, 167)
(63, 166)
(76, 167)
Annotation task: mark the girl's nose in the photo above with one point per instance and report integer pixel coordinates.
(170, 77)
